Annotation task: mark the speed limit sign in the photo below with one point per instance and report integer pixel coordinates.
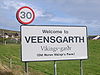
(25, 15)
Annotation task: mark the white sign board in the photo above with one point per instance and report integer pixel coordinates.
(45, 43)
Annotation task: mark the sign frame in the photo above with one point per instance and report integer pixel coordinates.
(22, 22)
(55, 26)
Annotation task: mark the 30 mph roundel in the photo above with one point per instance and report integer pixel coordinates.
(25, 15)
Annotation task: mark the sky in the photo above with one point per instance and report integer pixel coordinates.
(53, 12)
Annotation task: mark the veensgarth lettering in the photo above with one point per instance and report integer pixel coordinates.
(54, 39)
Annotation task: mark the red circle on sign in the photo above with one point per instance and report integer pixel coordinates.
(18, 18)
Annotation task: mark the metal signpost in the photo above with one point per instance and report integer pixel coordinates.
(25, 15)
(26, 68)
(81, 68)
(50, 43)
(55, 68)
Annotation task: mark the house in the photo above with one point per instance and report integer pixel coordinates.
(11, 35)
(91, 37)
(96, 38)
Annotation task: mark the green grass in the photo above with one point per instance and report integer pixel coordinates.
(90, 66)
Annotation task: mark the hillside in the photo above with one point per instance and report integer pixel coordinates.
(91, 66)
(5, 70)
(7, 31)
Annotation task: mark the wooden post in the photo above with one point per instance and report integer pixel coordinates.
(5, 42)
(3, 37)
(10, 63)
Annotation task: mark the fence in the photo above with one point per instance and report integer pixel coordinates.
(12, 63)
(9, 41)
(18, 68)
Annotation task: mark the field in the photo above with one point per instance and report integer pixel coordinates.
(90, 66)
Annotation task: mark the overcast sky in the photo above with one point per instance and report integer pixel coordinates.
(51, 12)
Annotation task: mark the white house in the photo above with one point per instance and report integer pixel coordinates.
(97, 37)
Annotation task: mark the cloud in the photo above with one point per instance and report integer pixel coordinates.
(65, 20)
(86, 11)
(82, 11)
(7, 4)
(12, 4)
(42, 13)
(55, 11)
(9, 9)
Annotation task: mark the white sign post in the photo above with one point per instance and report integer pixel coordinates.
(47, 43)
